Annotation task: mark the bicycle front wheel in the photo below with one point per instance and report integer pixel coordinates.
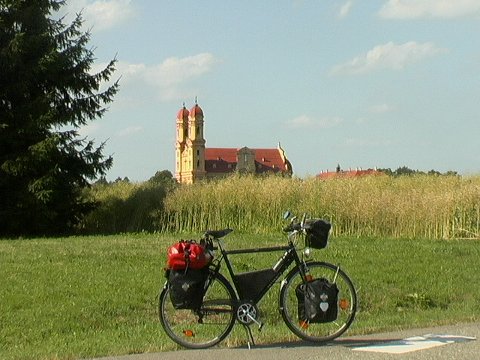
(346, 303)
(199, 329)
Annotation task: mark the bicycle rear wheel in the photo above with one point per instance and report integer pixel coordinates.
(203, 328)
(346, 303)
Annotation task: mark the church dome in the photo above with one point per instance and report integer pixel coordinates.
(182, 113)
(196, 110)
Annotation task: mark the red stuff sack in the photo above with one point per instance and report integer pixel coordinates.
(188, 254)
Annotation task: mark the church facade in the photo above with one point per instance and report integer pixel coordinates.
(195, 162)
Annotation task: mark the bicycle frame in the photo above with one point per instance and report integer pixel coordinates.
(264, 279)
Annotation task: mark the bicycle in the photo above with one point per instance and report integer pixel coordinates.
(224, 302)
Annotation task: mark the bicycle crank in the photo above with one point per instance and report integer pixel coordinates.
(247, 314)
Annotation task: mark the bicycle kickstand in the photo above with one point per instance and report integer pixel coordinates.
(250, 341)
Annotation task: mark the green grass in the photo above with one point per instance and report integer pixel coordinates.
(81, 297)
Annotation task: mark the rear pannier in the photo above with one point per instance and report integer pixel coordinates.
(187, 273)
(187, 287)
(317, 301)
(188, 254)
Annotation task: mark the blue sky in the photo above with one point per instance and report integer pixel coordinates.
(363, 84)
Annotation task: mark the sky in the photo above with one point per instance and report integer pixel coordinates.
(355, 83)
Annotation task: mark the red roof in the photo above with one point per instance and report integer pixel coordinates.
(268, 159)
(225, 160)
(182, 113)
(196, 110)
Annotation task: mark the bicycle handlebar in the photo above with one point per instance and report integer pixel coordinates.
(293, 227)
(296, 225)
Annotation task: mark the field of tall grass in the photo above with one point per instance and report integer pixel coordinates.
(422, 206)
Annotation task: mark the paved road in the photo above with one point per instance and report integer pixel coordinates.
(342, 348)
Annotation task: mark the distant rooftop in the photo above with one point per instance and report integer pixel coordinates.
(225, 160)
(347, 173)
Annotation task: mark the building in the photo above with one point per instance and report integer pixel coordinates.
(339, 173)
(196, 162)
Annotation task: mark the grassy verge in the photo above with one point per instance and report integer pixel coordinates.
(81, 297)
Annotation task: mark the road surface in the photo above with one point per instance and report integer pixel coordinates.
(420, 344)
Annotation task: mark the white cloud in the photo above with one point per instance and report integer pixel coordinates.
(380, 109)
(377, 109)
(89, 129)
(304, 121)
(180, 70)
(108, 14)
(415, 9)
(129, 131)
(388, 56)
(172, 78)
(356, 142)
(345, 9)
(128, 72)
(99, 14)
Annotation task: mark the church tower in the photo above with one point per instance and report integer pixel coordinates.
(181, 143)
(190, 146)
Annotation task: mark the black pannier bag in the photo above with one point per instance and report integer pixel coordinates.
(317, 233)
(317, 301)
(187, 287)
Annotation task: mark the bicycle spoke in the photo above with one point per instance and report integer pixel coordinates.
(204, 327)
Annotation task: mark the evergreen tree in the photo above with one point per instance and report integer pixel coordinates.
(46, 94)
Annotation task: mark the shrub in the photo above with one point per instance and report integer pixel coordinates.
(125, 207)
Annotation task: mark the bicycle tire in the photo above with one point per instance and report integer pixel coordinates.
(203, 328)
(347, 303)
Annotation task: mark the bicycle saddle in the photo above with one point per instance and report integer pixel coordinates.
(217, 234)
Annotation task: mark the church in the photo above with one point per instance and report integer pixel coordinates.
(195, 162)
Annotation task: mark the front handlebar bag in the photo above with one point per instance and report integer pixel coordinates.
(317, 231)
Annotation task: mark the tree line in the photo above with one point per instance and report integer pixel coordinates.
(404, 170)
